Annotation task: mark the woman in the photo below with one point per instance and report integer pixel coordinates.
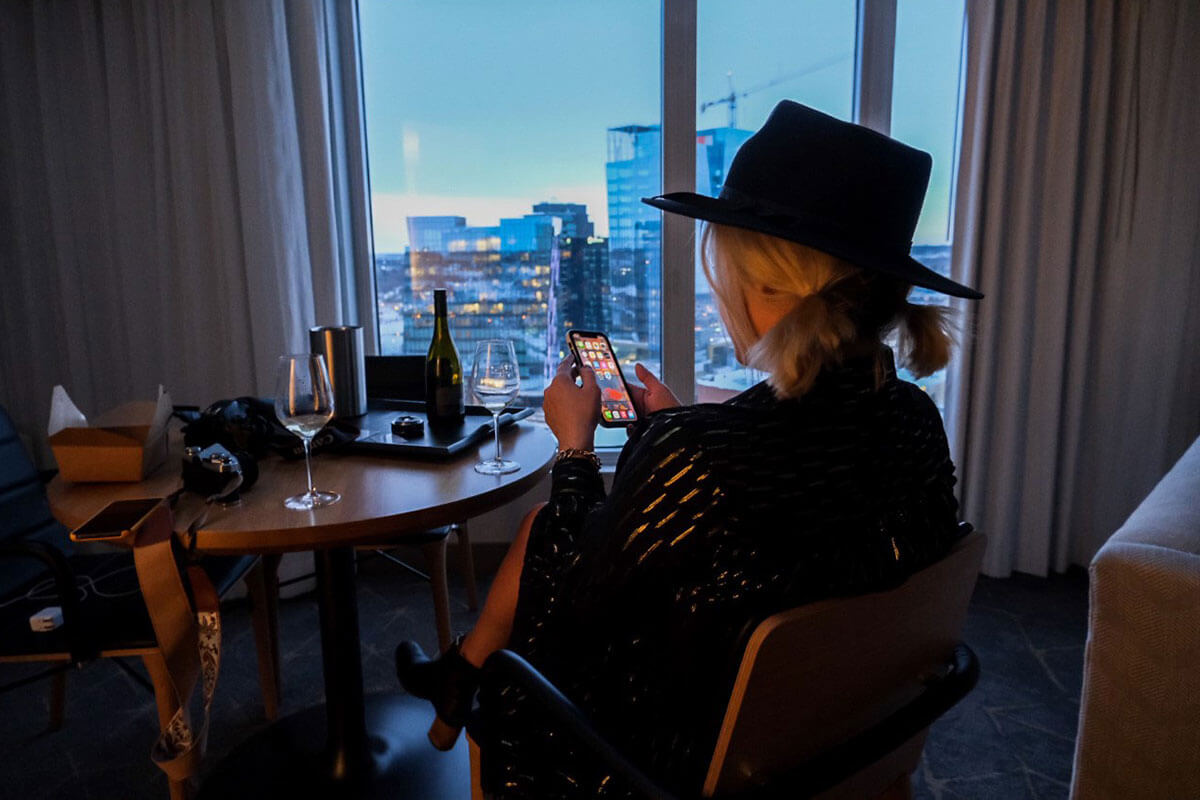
(831, 477)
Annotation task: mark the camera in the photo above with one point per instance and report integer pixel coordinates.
(218, 473)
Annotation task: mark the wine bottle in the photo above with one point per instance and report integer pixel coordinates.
(443, 371)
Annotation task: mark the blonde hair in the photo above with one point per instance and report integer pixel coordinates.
(835, 308)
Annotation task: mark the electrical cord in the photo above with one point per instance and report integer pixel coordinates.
(38, 592)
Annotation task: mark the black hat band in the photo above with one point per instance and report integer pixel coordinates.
(788, 216)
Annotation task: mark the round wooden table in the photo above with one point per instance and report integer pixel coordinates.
(369, 751)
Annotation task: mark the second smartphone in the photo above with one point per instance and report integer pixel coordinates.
(592, 348)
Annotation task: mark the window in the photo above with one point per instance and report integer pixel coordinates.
(510, 145)
(926, 91)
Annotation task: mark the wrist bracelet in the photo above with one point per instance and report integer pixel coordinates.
(575, 452)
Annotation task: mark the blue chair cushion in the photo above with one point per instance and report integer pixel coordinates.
(111, 607)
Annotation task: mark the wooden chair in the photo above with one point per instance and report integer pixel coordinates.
(432, 544)
(104, 615)
(832, 699)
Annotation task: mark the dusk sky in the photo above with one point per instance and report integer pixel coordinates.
(481, 109)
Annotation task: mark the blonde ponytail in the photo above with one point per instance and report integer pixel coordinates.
(802, 343)
(926, 337)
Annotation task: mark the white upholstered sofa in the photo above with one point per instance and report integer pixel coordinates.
(1139, 720)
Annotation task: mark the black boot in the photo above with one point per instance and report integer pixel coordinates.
(449, 682)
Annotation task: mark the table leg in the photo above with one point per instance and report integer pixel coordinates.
(373, 747)
(342, 662)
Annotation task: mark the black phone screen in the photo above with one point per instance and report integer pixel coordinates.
(594, 350)
(115, 519)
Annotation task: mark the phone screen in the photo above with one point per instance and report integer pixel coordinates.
(593, 350)
(115, 518)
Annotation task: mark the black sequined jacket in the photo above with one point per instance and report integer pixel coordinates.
(637, 605)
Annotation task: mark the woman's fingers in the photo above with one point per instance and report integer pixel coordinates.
(572, 410)
(657, 395)
(589, 378)
(646, 376)
(638, 395)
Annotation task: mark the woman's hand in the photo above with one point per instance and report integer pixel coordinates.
(571, 411)
(655, 396)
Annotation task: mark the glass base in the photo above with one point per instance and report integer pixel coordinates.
(497, 467)
(309, 501)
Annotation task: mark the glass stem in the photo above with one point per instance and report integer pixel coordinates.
(496, 432)
(312, 490)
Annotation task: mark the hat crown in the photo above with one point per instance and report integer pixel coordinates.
(843, 189)
(803, 163)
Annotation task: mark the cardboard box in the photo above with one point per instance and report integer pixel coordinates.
(125, 444)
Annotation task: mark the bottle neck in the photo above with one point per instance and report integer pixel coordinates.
(441, 321)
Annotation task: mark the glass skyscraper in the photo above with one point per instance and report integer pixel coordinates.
(634, 171)
(580, 285)
(715, 362)
(635, 234)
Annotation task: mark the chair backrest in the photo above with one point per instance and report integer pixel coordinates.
(816, 675)
(24, 511)
(395, 377)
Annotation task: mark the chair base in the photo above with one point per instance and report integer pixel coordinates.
(288, 758)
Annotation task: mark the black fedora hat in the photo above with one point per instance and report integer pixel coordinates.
(835, 186)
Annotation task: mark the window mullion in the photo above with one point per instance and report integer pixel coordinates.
(874, 58)
(678, 296)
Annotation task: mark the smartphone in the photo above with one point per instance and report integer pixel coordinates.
(115, 520)
(592, 348)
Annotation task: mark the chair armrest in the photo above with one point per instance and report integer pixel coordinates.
(64, 585)
(506, 667)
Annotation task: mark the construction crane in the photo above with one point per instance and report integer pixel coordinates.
(732, 98)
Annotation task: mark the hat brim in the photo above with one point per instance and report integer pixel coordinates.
(724, 212)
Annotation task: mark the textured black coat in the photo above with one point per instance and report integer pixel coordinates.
(720, 515)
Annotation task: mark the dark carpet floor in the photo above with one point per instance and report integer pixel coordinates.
(1012, 737)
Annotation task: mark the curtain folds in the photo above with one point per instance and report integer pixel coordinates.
(1077, 214)
(179, 198)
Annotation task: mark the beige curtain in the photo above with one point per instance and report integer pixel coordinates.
(178, 202)
(1078, 214)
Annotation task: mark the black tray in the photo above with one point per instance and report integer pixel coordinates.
(375, 430)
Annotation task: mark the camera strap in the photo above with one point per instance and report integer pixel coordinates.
(188, 632)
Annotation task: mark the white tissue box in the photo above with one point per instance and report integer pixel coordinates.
(124, 444)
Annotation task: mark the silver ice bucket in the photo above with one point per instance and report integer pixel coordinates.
(342, 346)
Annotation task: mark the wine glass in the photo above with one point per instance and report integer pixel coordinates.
(304, 404)
(496, 382)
